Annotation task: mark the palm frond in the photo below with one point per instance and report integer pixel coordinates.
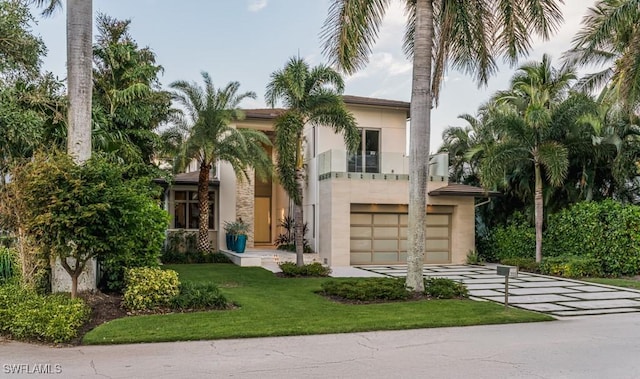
(554, 158)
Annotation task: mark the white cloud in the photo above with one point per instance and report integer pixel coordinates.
(257, 5)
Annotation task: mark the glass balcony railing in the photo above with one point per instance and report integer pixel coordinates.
(389, 166)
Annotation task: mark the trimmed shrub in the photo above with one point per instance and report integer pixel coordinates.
(149, 288)
(367, 289)
(571, 266)
(515, 240)
(316, 269)
(474, 258)
(26, 315)
(199, 296)
(443, 288)
(524, 264)
(607, 231)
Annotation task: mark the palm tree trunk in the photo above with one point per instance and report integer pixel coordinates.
(79, 77)
(203, 208)
(419, 143)
(538, 211)
(298, 217)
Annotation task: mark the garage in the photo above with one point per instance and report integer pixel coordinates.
(379, 234)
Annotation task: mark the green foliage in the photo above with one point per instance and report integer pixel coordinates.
(524, 264)
(90, 210)
(199, 295)
(443, 288)
(149, 288)
(473, 258)
(571, 266)
(367, 289)
(290, 269)
(25, 315)
(20, 50)
(8, 264)
(607, 231)
(286, 241)
(515, 240)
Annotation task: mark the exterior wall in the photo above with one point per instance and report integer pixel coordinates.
(337, 195)
(245, 197)
(228, 200)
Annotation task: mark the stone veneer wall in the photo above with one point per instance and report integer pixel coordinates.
(245, 197)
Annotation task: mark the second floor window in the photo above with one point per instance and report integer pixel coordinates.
(186, 211)
(367, 157)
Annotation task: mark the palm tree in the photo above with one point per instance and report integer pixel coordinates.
(204, 134)
(524, 123)
(79, 74)
(311, 96)
(466, 34)
(610, 37)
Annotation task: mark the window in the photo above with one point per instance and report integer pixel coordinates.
(367, 157)
(185, 210)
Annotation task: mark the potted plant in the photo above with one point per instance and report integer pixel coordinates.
(230, 229)
(241, 235)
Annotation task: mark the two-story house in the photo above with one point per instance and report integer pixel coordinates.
(355, 203)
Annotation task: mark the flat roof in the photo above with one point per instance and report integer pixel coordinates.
(457, 189)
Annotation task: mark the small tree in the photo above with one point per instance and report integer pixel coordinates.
(76, 212)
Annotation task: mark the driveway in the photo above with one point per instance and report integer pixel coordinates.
(555, 296)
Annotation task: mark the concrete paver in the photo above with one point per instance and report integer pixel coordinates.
(556, 296)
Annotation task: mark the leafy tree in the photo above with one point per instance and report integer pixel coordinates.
(78, 212)
(524, 123)
(311, 96)
(20, 50)
(466, 34)
(204, 134)
(128, 104)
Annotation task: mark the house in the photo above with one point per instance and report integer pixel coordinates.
(355, 203)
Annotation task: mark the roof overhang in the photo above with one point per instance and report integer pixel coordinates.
(455, 189)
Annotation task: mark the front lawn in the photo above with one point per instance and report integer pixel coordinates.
(273, 306)
(618, 282)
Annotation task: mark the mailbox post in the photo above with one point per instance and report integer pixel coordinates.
(507, 271)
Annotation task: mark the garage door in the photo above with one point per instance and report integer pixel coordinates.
(381, 238)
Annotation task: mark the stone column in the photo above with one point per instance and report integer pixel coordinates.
(245, 197)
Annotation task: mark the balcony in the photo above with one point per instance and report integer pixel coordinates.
(385, 166)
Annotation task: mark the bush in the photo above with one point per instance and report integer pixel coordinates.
(25, 315)
(607, 231)
(199, 296)
(8, 264)
(473, 258)
(368, 289)
(515, 240)
(290, 269)
(524, 264)
(571, 266)
(150, 288)
(194, 256)
(442, 288)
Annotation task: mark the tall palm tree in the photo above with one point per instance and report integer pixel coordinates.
(610, 38)
(204, 134)
(79, 74)
(311, 96)
(524, 123)
(467, 35)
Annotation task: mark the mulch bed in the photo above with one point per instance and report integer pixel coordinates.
(104, 307)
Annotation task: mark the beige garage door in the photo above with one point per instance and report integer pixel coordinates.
(381, 238)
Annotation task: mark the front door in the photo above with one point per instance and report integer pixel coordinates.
(262, 220)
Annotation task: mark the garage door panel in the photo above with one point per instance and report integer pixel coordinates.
(437, 220)
(385, 257)
(437, 232)
(404, 232)
(385, 245)
(360, 258)
(437, 245)
(437, 256)
(385, 219)
(385, 232)
(360, 218)
(360, 245)
(361, 232)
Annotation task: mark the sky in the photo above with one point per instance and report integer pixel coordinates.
(247, 40)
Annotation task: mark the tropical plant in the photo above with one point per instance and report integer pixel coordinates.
(204, 133)
(311, 96)
(610, 38)
(524, 123)
(466, 34)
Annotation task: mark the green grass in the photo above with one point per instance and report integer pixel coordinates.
(272, 306)
(618, 282)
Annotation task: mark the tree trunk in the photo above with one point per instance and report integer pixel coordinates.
(298, 217)
(79, 78)
(538, 211)
(419, 144)
(203, 208)
(74, 285)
